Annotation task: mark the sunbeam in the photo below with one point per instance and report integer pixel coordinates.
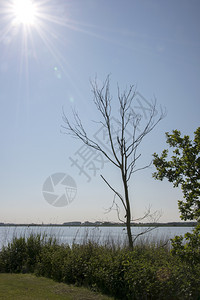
(24, 11)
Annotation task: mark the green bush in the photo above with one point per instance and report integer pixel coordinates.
(34, 245)
(189, 250)
(14, 256)
(150, 272)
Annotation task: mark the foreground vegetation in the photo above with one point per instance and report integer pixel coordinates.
(30, 287)
(149, 271)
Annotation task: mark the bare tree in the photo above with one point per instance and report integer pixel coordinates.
(123, 142)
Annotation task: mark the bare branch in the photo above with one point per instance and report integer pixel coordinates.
(114, 203)
(78, 131)
(143, 232)
(153, 217)
(123, 143)
(120, 196)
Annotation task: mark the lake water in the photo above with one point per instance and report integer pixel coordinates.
(98, 234)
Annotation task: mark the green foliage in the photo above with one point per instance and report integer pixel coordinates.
(13, 257)
(21, 255)
(146, 272)
(183, 169)
(187, 248)
(34, 245)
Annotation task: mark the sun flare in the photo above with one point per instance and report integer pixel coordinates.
(24, 12)
(28, 24)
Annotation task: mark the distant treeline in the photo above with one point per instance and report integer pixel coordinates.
(105, 224)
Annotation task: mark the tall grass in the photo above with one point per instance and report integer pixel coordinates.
(150, 271)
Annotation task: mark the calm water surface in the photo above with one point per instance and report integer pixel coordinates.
(98, 234)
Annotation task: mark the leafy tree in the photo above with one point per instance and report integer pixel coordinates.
(183, 169)
(125, 133)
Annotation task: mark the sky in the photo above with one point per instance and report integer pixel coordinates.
(51, 50)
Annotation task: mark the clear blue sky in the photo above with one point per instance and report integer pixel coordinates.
(48, 64)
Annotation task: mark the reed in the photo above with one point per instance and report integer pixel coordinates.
(149, 271)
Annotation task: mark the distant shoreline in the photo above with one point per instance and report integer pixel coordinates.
(104, 224)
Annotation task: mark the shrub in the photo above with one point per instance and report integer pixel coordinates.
(189, 250)
(13, 257)
(150, 272)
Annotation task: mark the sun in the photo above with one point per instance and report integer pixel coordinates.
(24, 12)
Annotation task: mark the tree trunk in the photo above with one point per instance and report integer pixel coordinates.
(128, 227)
(128, 214)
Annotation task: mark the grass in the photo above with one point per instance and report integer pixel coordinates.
(149, 271)
(30, 287)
